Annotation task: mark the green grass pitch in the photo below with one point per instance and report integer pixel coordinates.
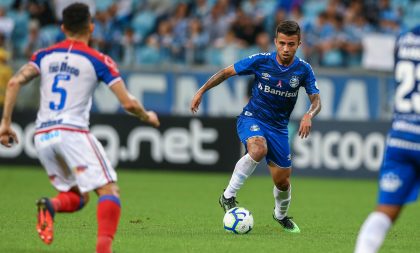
(179, 212)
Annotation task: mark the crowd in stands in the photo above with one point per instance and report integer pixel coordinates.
(209, 32)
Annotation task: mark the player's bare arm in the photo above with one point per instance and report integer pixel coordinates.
(306, 122)
(215, 80)
(22, 77)
(133, 106)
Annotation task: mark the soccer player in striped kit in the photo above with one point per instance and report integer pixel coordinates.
(73, 158)
(399, 178)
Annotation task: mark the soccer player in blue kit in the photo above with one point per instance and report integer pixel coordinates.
(399, 177)
(262, 125)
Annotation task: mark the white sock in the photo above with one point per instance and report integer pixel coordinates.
(243, 169)
(372, 233)
(282, 201)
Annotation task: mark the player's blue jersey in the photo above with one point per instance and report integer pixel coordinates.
(405, 132)
(399, 180)
(276, 87)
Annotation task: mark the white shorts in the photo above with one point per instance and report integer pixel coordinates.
(74, 158)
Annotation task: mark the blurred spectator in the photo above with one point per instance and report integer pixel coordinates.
(229, 47)
(245, 29)
(196, 43)
(6, 23)
(101, 36)
(42, 11)
(197, 29)
(179, 23)
(35, 41)
(201, 9)
(6, 73)
(333, 42)
(162, 41)
(218, 21)
(254, 10)
(264, 43)
(129, 43)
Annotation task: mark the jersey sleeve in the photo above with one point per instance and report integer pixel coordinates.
(246, 66)
(107, 70)
(35, 59)
(310, 84)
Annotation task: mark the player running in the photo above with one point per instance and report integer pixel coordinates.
(262, 125)
(399, 178)
(74, 159)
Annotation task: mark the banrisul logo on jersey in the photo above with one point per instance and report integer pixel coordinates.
(294, 81)
(282, 93)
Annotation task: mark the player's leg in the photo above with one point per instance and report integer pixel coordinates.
(93, 171)
(282, 192)
(398, 185)
(108, 215)
(101, 177)
(61, 178)
(251, 134)
(280, 166)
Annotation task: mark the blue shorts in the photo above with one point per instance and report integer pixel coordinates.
(399, 178)
(277, 139)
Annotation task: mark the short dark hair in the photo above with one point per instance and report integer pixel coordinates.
(289, 28)
(76, 18)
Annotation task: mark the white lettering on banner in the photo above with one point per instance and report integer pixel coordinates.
(185, 89)
(327, 89)
(334, 150)
(138, 84)
(16, 148)
(176, 145)
(29, 141)
(354, 102)
(202, 135)
(110, 136)
(224, 101)
(136, 136)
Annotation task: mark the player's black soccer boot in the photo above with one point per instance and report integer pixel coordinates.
(227, 204)
(287, 224)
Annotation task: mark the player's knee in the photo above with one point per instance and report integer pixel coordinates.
(282, 184)
(257, 149)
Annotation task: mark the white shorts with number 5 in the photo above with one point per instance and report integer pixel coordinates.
(73, 158)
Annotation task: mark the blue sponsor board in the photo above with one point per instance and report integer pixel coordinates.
(344, 96)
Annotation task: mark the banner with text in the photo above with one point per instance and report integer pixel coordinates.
(334, 148)
(344, 96)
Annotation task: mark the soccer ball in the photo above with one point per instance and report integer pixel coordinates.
(238, 220)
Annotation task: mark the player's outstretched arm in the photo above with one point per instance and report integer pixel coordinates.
(306, 122)
(22, 77)
(133, 106)
(215, 80)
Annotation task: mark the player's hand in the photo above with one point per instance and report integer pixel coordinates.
(195, 103)
(305, 126)
(153, 119)
(7, 136)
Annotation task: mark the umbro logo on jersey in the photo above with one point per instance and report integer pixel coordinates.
(265, 76)
(254, 128)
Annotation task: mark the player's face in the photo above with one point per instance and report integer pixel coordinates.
(286, 47)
